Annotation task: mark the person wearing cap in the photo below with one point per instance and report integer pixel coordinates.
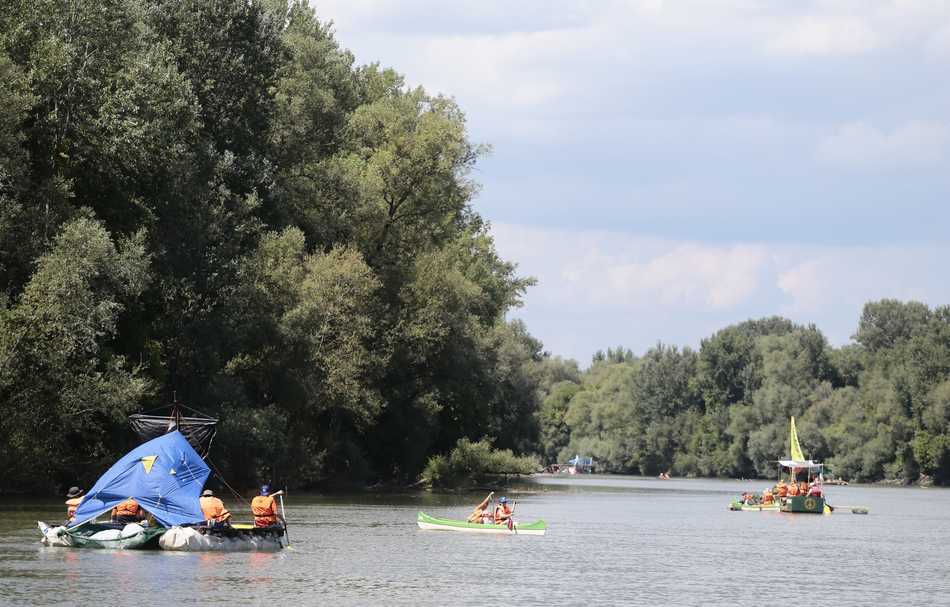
(74, 497)
(502, 511)
(264, 509)
(213, 509)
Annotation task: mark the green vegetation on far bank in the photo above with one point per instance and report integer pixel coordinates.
(876, 409)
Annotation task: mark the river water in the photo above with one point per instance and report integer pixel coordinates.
(610, 541)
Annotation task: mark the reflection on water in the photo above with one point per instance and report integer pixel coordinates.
(610, 540)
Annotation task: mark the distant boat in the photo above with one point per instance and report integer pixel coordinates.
(580, 465)
(793, 467)
(444, 524)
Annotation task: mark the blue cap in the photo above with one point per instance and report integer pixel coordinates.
(502, 500)
(265, 489)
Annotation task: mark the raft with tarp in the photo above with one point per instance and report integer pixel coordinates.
(164, 475)
(444, 524)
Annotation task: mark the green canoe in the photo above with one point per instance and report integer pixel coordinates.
(445, 524)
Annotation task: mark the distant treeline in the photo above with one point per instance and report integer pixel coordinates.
(212, 201)
(876, 409)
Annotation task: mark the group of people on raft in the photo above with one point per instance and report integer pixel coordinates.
(263, 507)
(783, 490)
(499, 515)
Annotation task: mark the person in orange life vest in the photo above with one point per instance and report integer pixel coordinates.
(74, 497)
(781, 488)
(792, 489)
(502, 511)
(213, 509)
(479, 513)
(264, 509)
(767, 496)
(128, 511)
(803, 488)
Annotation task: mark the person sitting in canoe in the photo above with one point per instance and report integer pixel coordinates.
(481, 514)
(767, 497)
(213, 509)
(502, 511)
(73, 498)
(264, 509)
(781, 488)
(128, 511)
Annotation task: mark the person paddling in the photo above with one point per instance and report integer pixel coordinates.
(264, 509)
(74, 497)
(481, 510)
(502, 511)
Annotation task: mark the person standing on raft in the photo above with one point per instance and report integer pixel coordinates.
(480, 513)
(264, 509)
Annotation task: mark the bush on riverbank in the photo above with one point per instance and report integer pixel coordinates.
(474, 463)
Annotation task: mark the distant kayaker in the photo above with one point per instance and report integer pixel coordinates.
(502, 511)
(264, 508)
(213, 509)
(480, 513)
(74, 497)
(128, 511)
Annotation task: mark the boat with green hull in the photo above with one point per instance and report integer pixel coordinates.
(811, 474)
(444, 524)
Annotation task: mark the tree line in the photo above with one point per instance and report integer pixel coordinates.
(878, 408)
(212, 202)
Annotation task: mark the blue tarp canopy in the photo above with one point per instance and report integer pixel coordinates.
(164, 475)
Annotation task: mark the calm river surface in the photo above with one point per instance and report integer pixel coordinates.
(610, 541)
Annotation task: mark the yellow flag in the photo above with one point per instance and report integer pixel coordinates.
(794, 446)
(147, 462)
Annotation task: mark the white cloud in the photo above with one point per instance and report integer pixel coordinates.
(826, 36)
(598, 289)
(687, 276)
(860, 145)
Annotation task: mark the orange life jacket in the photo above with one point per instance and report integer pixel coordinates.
(71, 505)
(502, 512)
(803, 488)
(213, 509)
(793, 489)
(129, 508)
(264, 509)
(782, 489)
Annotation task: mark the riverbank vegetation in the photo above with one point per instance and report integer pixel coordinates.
(475, 463)
(212, 202)
(876, 409)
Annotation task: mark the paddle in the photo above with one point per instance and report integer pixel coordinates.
(511, 518)
(283, 513)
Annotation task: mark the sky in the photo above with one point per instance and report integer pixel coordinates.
(667, 168)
